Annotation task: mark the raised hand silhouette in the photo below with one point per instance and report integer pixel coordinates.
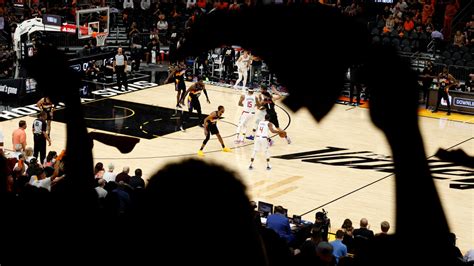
(309, 48)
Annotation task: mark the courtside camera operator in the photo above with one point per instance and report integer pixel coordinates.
(323, 223)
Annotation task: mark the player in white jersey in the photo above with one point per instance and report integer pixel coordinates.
(249, 103)
(267, 105)
(243, 66)
(261, 140)
(261, 110)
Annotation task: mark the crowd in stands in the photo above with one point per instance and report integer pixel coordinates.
(6, 61)
(26, 174)
(121, 195)
(412, 26)
(408, 25)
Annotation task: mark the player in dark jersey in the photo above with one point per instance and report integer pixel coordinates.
(193, 99)
(269, 105)
(177, 74)
(45, 105)
(210, 127)
(445, 82)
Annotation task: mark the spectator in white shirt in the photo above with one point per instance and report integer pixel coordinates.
(145, 4)
(41, 181)
(128, 4)
(109, 176)
(101, 192)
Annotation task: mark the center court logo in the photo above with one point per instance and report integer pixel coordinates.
(32, 109)
(367, 160)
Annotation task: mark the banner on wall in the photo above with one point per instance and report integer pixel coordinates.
(11, 87)
(17, 87)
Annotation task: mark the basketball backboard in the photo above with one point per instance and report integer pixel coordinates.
(90, 22)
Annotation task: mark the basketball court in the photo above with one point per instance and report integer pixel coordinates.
(342, 164)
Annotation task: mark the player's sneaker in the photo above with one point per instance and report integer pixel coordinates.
(250, 167)
(200, 153)
(250, 137)
(269, 167)
(225, 149)
(288, 139)
(182, 129)
(270, 142)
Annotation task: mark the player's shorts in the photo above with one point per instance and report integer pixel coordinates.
(48, 113)
(260, 116)
(213, 129)
(245, 118)
(180, 86)
(261, 144)
(274, 120)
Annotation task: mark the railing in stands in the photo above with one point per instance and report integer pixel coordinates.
(418, 62)
(461, 73)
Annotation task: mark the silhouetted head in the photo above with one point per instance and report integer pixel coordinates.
(384, 226)
(200, 210)
(138, 172)
(364, 223)
(347, 224)
(279, 209)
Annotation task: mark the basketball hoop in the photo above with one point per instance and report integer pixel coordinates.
(100, 38)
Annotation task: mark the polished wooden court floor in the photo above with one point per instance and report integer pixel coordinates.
(341, 164)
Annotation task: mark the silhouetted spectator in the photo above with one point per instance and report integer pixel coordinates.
(362, 235)
(220, 219)
(137, 181)
(123, 176)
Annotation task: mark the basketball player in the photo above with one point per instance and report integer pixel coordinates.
(445, 82)
(268, 104)
(120, 68)
(261, 112)
(261, 140)
(193, 99)
(210, 127)
(180, 87)
(45, 105)
(243, 66)
(249, 103)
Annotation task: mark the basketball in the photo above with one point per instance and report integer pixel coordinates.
(282, 133)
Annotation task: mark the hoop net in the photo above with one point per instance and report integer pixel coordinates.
(100, 38)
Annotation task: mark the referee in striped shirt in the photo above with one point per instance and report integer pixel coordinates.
(40, 136)
(120, 68)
